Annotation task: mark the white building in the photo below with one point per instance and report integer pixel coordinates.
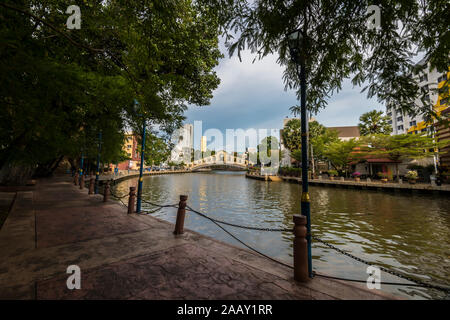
(184, 144)
(402, 123)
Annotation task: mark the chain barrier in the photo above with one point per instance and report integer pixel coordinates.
(417, 282)
(160, 206)
(239, 226)
(119, 197)
(216, 222)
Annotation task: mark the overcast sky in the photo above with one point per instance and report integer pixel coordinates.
(252, 95)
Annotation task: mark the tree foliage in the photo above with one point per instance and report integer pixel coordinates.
(373, 122)
(61, 87)
(319, 138)
(340, 153)
(338, 44)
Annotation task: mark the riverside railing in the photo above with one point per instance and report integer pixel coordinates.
(300, 252)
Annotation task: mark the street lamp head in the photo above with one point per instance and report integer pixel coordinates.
(294, 40)
(136, 106)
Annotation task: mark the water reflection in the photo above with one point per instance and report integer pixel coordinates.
(407, 233)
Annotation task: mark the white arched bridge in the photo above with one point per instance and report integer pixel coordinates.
(221, 160)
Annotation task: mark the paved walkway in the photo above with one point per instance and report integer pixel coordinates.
(132, 256)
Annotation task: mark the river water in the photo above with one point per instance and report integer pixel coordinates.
(406, 232)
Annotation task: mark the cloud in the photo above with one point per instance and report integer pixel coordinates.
(252, 95)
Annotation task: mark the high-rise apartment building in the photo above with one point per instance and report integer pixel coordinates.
(428, 80)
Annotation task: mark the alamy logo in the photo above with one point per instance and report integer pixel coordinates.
(374, 279)
(74, 280)
(74, 20)
(374, 20)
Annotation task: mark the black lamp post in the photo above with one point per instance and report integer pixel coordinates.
(141, 169)
(297, 50)
(97, 173)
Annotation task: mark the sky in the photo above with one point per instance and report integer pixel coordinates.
(252, 95)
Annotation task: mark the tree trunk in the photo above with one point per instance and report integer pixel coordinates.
(15, 174)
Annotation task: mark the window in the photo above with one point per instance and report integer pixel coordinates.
(444, 101)
(129, 146)
(425, 87)
(427, 98)
(423, 130)
(400, 127)
(390, 121)
(412, 123)
(400, 118)
(389, 114)
(129, 154)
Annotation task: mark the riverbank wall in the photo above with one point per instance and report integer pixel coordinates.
(364, 185)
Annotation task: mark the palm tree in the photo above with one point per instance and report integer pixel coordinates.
(373, 122)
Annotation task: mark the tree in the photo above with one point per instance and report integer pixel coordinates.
(373, 122)
(319, 137)
(339, 45)
(61, 88)
(292, 135)
(157, 151)
(399, 147)
(267, 150)
(340, 153)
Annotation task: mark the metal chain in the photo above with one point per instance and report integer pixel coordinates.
(424, 284)
(239, 226)
(218, 222)
(118, 197)
(161, 206)
(239, 240)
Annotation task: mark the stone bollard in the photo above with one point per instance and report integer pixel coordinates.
(91, 185)
(300, 249)
(179, 225)
(368, 180)
(106, 191)
(82, 181)
(132, 199)
(342, 179)
(75, 179)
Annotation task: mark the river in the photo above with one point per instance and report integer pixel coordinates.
(406, 232)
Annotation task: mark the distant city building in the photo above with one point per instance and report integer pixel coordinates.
(184, 144)
(203, 144)
(427, 80)
(130, 147)
(347, 133)
(250, 153)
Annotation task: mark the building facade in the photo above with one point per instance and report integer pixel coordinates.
(428, 80)
(130, 147)
(184, 144)
(346, 133)
(203, 144)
